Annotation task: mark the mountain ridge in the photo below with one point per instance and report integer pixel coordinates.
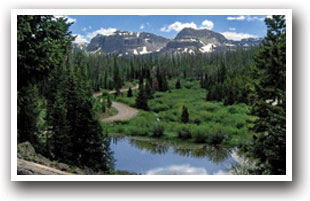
(188, 40)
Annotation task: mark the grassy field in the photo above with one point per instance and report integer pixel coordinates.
(209, 122)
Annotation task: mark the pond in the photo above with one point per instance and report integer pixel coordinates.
(150, 157)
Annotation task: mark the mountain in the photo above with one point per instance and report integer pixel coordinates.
(188, 40)
(127, 43)
(79, 46)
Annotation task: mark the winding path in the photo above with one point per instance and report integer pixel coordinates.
(124, 111)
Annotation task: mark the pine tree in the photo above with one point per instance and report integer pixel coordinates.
(141, 100)
(184, 117)
(109, 102)
(270, 100)
(28, 115)
(148, 90)
(178, 84)
(42, 45)
(103, 106)
(129, 93)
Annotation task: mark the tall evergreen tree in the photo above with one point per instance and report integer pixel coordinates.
(178, 84)
(129, 92)
(270, 100)
(141, 99)
(42, 45)
(185, 115)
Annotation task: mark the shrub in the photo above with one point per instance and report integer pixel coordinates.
(201, 133)
(218, 136)
(105, 93)
(184, 131)
(159, 107)
(157, 130)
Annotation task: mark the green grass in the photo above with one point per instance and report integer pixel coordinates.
(209, 122)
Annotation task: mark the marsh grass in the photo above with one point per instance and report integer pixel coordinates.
(209, 122)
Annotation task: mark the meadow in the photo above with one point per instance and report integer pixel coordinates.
(209, 122)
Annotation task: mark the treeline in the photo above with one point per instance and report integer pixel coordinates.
(49, 83)
(105, 70)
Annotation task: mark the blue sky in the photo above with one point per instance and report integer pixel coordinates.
(235, 27)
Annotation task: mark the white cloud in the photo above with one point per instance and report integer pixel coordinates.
(90, 27)
(84, 29)
(247, 17)
(237, 36)
(102, 31)
(178, 26)
(232, 29)
(178, 170)
(69, 19)
(240, 17)
(80, 39)
(269, 16)
(207, 25)
(142, 26)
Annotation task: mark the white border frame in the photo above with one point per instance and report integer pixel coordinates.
(286, 12)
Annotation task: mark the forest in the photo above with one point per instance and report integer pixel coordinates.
(233, 98)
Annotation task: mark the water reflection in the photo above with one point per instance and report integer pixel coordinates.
(216, 153)
(156, 157)
(149, 146)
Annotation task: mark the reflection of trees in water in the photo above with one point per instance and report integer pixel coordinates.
(152, 147)
(216, 153)
(115, 140)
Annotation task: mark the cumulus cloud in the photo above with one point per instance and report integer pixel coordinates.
(240, 17)
(102, 31)
(80, 39)
(178, 26)
(69, 19)
(207, 25)
(142, 26)
(237, 36)
(246, 17)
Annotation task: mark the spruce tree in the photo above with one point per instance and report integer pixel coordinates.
(42, 45)
(103, 106)
(109, 102)
(178, 84)
(129, 92)
(185, 115)
(270, 100)
(141, 100)
(148, 90)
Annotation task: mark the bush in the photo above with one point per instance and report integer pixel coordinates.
(218, 136)
(184, 131)
(201, 134)
(138, 131)
(157, 130)
(159, 107)
(105, 93)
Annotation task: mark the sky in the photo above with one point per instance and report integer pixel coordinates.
(233, 27)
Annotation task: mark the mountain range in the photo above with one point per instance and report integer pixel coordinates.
(188, 40)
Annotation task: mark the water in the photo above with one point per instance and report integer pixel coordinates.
(147, 157)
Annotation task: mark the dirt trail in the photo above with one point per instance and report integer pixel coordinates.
(124, 112)
(31, 168)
